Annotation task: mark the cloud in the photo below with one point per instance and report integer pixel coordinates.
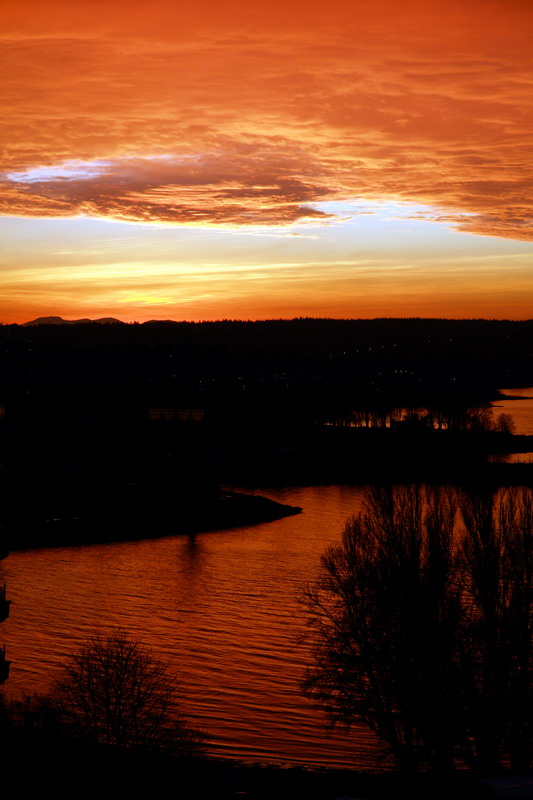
(242, 117)
(239, 185)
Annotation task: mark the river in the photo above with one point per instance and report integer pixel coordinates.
(222, 607)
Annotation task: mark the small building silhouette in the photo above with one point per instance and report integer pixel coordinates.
(176, 414)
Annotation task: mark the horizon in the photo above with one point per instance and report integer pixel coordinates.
(244, 162)
(53, 319)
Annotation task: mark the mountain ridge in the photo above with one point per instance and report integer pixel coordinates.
(60, 321)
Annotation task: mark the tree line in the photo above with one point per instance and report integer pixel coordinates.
(452, 417)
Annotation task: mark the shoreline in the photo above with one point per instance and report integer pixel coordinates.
(226, 511)
(214, 779)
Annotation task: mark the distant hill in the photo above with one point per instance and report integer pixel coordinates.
(61, 321)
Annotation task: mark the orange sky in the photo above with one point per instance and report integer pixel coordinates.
(240, 159)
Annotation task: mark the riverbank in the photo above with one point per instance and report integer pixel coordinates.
(32, 762)
(213, 512)
(359, 456)
(138, 774)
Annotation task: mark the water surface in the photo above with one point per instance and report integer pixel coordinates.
(520, 409)
(222, 607)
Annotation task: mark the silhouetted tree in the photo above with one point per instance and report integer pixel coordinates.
(114, 691)
(505, 424)
(423, 631)
(497, 624)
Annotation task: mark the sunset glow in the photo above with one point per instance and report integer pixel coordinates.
(251, 160)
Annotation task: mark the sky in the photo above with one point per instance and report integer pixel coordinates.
(240, 159)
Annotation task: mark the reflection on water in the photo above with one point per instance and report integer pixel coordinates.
(513, 458)
(520, 409)
(221, 606)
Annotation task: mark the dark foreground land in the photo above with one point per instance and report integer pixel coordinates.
(219, 511)
(82, 771)
(117, 431)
